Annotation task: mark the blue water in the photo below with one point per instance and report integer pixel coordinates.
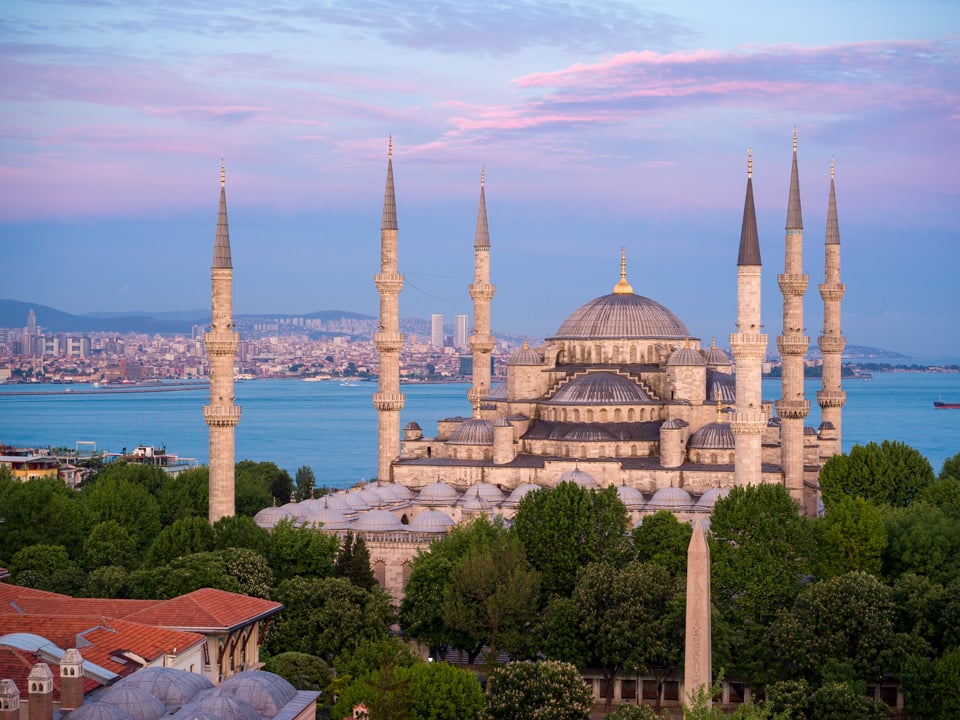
(333, 428)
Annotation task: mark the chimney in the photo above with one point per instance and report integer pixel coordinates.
(40, 693)
(9, 700)
(71, 680)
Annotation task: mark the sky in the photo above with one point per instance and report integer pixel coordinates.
(599, 125)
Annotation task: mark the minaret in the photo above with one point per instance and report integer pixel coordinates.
(222, 413)
(388, 400)
(832, 397)
(792, 406)
(749, 346)
(481, 292)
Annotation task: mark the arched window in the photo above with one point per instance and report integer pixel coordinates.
(630, 415)
(603, 415)
(617, 414)
(589, 415)
(380, 572)
(633, 353)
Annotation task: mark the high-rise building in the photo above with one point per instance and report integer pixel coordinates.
(460, 338)
(436, 330)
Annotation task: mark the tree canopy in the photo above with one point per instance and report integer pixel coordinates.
(889, 473)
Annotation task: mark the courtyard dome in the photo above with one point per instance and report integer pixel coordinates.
(622, 316)
(357, 501)
(226, 707)
(579, 477)
(99, 711)
(487, 491)
(710, 497)
(715, 436)
(339, 501)
(170, 686)
(519, 492)
(270, 516)
(600, 388)
(371, 495)
(686, 356)
(394, 492)
(431, 521)
(138, 704)
(377, 521)
(475, 431)
(525, 356)
(670, 498)
(438, 493)
(264, 692)
(475, 504)
(631, 498)
(319, 513)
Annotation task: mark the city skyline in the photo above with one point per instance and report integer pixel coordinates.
(600, 126)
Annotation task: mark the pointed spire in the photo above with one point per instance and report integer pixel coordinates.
(623, 287)
(389, 220)
(833, 225)
(749, 239)
(221, 245)
(483, 234)
(794, 219)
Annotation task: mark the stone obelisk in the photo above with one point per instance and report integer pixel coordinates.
(697, 666)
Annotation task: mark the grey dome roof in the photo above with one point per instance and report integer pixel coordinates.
(264, 692)
(475, 504)
(710, 497)
(438, 493)
(518, 492)
(371, 495)
(723, 383)
(686, 356)
(499, 392)
(715, 436)
(318, 511)
(670, 498)
(673, 425)
(600, 388)
(431, 521)
(487, 491)
(135, 702)
(339, 501)
(587, 433)
(226, 707)
(525, 356)
(579, 477)
(502, 422)
(622, 316)
(631, 498)
(269, 517)
(170, 686)
(475, 431)
(377, 521)
(99, 711)
(392, 492)
(716, 356)
(357, 501)
(412, 425)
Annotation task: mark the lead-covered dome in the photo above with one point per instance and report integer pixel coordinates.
(600, 388)
(622, 316)
(475, 431)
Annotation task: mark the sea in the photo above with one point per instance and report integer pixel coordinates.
(331, 426)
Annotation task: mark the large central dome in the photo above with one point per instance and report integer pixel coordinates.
(622, 315)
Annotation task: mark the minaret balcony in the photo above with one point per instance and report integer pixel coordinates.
(388, 283)
(221, 343)
(831, 398)
(388, 341)
(831, 344)
(832, 291)
(748, 423)
(388, 402)
(482, 291)
(221, 415)
(481, 343)
(792, 284)
(748, 346)
(793, 344)
(793, 409)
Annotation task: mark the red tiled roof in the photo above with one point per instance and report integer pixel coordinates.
(206, 609)
(16, 665)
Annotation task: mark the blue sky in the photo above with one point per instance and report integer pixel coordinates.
(601, 124)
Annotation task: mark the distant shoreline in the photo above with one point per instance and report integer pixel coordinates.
(107, 390)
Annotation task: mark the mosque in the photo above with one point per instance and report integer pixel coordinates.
(621, 395)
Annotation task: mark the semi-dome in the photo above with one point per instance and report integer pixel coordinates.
(377, 521)
(715, 436)
(475, 431)
(431, 521)
(622, 316)
(600, 388)
(686, 357)
(579, 477)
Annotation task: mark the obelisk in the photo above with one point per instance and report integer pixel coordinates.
(697, 666)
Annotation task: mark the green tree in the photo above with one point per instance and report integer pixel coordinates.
(234, 570)
(108, 543)
(305, 482)
(353, 562)
(546, 690)
(662, 539)
(831, 701)
(852, 536)
(567, 527)
(185, 537)
(759, 548)
(303, 671)
(108, 581)
(261, 485)
(440, 691)
(186, 495)
(46, 567)
(240, 531)
(925, 540)
(125, 497)
(42, 511)
(951, 468)
(891, 473)
(149, 477)
(301, 551)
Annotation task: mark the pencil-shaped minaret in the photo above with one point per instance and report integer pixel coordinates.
(481, 292)
(221, 342)
(749, 346)
(832, 397)
(792, 406)
(388, 400)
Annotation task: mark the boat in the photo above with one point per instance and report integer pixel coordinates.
(940, 405)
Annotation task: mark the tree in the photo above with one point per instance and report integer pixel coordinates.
(440, 691)
(832, 701)
(759, 548)
(108, 543)
(240, 531)
(42, 511)
(108, 581)
(353, 562)
(185, 537)
(46, 567)
(125, 498)
(924, 540)
(663, 539)
(235, 570)
(546, 690)
(305, 483)
(301, 551)
(567, 527)
(852, 536)
(303, 671)
(951, 468)
(186, 495)
(891, 473)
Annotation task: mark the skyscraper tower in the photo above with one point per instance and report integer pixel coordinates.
(388, 400)
(749, 345)
(460, 334)
(831, 397)
(221, 343)
(481, 292)
(30, 335)
(792, 406)
(436, 330)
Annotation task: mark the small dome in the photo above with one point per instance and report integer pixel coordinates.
(339, 501)
(412, 425)
(715, 436)
(320, 513)
(685, 357)
(393, 492)
(226, 707)
(475, 431)
(587, 433)
(264, 692)
(716, 357)
(377, 521)
(489, 492)
(431, 521)
(170, 686)
(631, 498)
(357, 500)
(622, 315)
(600, 388)
(710, 497)
(99, 711)
(270, 516)
(138, 704)
(670, 498)
(476, 504)
(579, 477)
(518, 493)
(371, 495)
(809, 430)
(525, 356)
(438, 493)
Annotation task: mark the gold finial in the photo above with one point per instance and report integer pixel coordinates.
(713, 343)
(483, 172)
(390, 148)
(623, 287)
(794, 138)
(476, 407)
(223, 173)
(719, 404)
(749, 163)
(526, 345)
(686, 343)
(831, 168)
